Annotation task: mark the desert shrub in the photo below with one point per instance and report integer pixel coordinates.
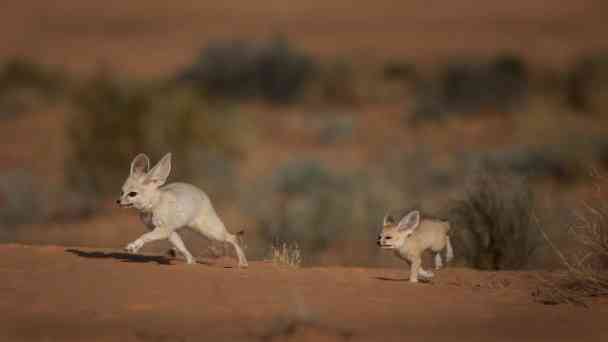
(534, 163)
(23, 83)
(206, 140)
(493, 226)
(586, 84)
(428, 104)
(416, 175)
(105, 132)
(308, 204)
(586, 269)
(21, 199)
(24, 73)
(336, 128)
(225, 69)
(113, 121)
(274, 70)
(498, 85)
(338, 82)
(396, 70)
(601, 151)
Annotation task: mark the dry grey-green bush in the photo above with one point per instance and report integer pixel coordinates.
(24, 73)
(338, 82)
(492, 224)
(586, 84)
(415, 174)
(560, 163)
(105, 132)
(336, 129)
(306, 203)
(21, 201)
(24, 83)
(274, 70)
(499, 84)
(115, 120)
(586, 269)
(310, 205)
(468, 88)
(396, 70)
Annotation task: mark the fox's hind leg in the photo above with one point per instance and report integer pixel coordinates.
(233, 240)
(438, 261)
(178, 244)
(213, 228)
(449, 251)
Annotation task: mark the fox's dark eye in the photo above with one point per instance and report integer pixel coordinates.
(132, 194)
(388, 237)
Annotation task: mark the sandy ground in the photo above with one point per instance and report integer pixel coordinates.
(55, 293)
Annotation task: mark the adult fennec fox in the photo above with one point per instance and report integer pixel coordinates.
(165, 209)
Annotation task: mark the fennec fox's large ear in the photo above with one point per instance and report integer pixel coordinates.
(159, 173)
(388, 220)
(140, 165)
(410, 222)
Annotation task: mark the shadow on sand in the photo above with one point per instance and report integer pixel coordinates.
(421, 280)
(124, 257)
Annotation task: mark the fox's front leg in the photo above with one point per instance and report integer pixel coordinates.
(159, 233)
(415, 263)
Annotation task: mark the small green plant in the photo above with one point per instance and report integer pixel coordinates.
(284, 254)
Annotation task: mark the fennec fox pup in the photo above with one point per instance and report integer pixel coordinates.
(165, 209)
(412, 236)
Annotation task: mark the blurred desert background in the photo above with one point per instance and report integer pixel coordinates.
(306, 122)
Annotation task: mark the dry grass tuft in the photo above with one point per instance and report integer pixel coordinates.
(586, 273)
(284, 254)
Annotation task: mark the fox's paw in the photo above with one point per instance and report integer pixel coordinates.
(426, 274)
(134, 246)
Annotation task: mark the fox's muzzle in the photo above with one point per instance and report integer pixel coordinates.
(123, 205)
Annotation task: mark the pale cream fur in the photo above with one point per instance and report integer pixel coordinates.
(166, 209)
(412, 236)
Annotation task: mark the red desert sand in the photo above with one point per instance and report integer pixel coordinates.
(54, 293)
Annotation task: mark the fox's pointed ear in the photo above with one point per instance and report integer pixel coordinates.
(411, 221)
(388, 220)
(160, 172)
(140, 165)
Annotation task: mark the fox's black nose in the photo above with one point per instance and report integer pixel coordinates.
(118, 201)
